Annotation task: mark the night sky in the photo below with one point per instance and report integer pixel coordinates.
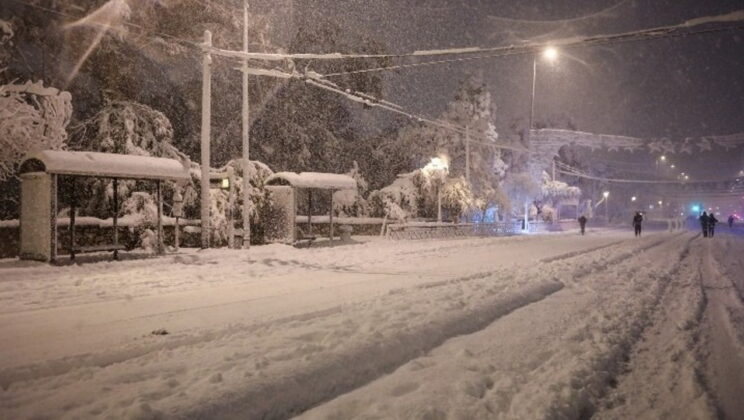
(679, 87)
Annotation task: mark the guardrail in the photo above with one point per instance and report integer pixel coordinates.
(450, 230)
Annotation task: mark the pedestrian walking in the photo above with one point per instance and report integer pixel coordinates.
(731, 221)
(704, 223)
(638, 223)
(712, 225)
(582, 223)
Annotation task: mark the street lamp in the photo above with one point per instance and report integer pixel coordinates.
(633, 198)
(437, 170)
(606, 195)
(550, 54)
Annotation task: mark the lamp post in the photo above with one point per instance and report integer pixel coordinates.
(549, 54)
(437, 170)
(177, 212)
(606, 196)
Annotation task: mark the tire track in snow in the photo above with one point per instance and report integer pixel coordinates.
(721, 347)
(517, 354)
(601, 263)
(329, 365)
(662, 377)
(147, 345)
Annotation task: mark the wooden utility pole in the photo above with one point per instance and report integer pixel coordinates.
(467, 153)
(246, 137)
(205, 137)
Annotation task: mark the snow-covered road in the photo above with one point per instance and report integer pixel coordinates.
(523, 327)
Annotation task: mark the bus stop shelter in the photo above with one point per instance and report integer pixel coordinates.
(41, 174)
(286, 188)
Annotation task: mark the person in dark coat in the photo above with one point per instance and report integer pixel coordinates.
(712, 224)
(638, 223)
(582, 223)
(731, 221)
(704, 223)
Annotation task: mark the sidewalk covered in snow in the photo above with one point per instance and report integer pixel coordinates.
(41, 175)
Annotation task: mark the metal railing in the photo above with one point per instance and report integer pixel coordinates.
(450, 230)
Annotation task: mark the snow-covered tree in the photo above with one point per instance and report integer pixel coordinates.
(127, 128)
(521, 189)
(32, 118)
(457, 197)
(399, 200)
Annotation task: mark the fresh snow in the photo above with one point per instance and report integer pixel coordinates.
(521, 327)
(111, 165)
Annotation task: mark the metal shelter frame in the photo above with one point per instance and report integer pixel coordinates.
(313, 181)
(74, 165)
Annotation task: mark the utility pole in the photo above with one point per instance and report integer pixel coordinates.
(246, 137)
(532, 97)
(467, 153)
(205, 136)
(553, 169)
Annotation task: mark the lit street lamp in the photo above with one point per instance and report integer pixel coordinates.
(550, 54)
(606, 195)
(437, 170)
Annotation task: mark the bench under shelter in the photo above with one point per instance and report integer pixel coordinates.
(288, 189)
(41, 174)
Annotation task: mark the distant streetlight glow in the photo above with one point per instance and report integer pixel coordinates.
(606, 194)
(633, 198)
(550, 53)
(672, 166)
(663, 158)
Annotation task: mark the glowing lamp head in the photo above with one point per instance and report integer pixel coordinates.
(550, 54)
(663, 158)
(438, 167)
(606, 194)
(633, 198)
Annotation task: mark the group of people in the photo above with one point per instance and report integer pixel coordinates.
(708, 224)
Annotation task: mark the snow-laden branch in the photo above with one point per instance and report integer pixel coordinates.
(32, 118)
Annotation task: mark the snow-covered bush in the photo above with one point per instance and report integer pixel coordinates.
(351, 203)
(457, 196)
(32, 118)
(399, 200)
(220, 202)
(141, 209)
(553, 190)
(548, 213)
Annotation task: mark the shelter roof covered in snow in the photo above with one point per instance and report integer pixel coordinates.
(111, 165)
(317, 180)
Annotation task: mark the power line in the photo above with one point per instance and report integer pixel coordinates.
(316, 80)
(681, 29)
(509, 51)
(570, 170)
